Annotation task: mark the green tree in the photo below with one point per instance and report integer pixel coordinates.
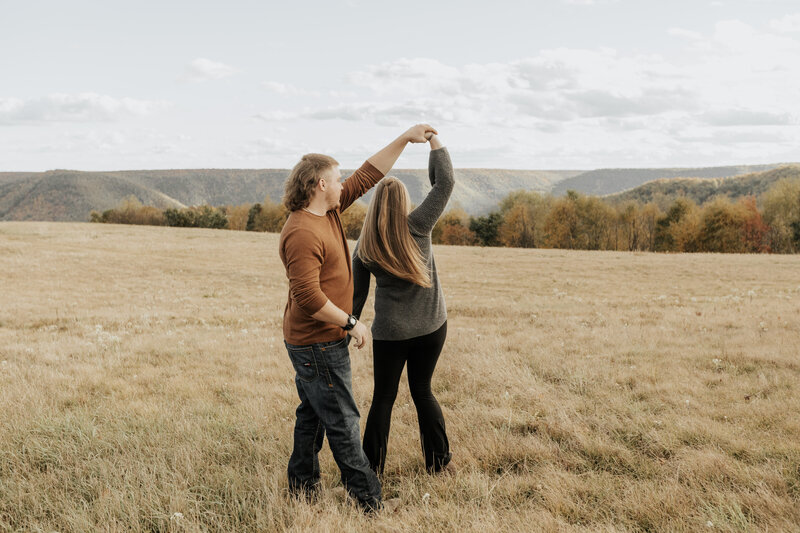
(486, 228)
(254, 211)
(668, 226)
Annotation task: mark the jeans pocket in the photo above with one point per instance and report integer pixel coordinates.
(304, 362)
(337, 354)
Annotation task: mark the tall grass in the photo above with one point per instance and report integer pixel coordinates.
(144, 387)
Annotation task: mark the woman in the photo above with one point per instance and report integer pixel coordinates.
(410, 323)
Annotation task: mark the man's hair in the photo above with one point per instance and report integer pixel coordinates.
(303, 179)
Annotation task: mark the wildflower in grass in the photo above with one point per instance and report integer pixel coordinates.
(176, 516)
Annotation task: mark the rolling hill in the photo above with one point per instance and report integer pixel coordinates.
(68, 195)
(664, 191)
(606, 181)
(64, 195)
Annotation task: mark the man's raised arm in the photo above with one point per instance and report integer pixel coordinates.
(366, 177)
(386, 158)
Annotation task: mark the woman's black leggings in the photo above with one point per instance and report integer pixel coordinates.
(389, 357)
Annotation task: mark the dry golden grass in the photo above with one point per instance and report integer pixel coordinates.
(144, 386)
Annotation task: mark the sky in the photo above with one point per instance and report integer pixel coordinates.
(550, 84)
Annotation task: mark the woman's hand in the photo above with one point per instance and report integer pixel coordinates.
(434, 139)
(360, 334)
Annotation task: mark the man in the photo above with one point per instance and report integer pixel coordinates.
(318, 316)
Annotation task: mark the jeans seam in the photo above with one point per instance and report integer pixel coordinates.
(327, 370)
(315, 464)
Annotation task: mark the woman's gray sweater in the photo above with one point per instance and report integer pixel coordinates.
(404, 310)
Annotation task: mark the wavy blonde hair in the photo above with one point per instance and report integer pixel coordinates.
(302, 181)
(385, 238)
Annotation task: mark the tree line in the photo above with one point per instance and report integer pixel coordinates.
(525, 219)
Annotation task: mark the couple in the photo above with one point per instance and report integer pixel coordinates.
(323, 309)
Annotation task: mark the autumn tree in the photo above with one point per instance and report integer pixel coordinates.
(646, 221)
(625, 229)
(269, 216)
(454, 217)
(353, 219)
(721, 227)
(781, 206)
(596, 222)
(677, 230)
(238, 217)
(458, 234)
(523, 214)
(561, 223)
(130, 211)
(754, 230)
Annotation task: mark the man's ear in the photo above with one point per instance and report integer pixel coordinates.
(321, 184)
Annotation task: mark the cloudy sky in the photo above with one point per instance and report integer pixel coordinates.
(546, 84)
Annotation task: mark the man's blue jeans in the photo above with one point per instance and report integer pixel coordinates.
(324, 384)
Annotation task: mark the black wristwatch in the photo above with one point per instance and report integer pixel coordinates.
(351, 323)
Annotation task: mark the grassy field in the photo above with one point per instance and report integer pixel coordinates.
(144, 386)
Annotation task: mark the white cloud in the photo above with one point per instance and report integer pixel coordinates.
(685, 34)
(287, 89)
(269, 147)
(589, 2)
(787, 24)
(202, 69)
(276, 116)
(555, 85)
(280, 88)
(82, 107)
(736, 84)
(746, 117)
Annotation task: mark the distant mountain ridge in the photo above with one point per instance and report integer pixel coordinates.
(68, 195)
(606, 181)
(664, 191)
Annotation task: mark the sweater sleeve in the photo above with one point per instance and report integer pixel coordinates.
(360, 284)
(358, 184)
(440, 171)
(304, 258)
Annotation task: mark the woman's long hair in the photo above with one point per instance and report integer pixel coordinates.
(385, 238)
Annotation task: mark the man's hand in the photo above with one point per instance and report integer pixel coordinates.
(385, 159)
(420, 133)
(360, 335)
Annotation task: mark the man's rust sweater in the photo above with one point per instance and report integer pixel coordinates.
(315, 253)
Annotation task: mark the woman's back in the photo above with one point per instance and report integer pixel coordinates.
(403, 309)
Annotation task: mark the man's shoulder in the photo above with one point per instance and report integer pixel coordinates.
(302, 230)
